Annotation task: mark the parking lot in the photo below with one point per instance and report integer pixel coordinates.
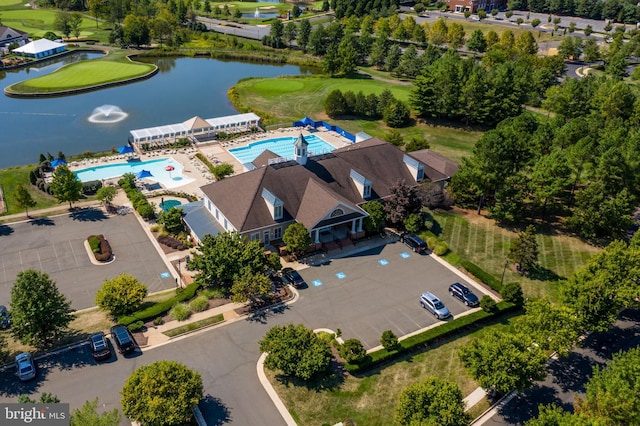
(55, 245)
(376, 290)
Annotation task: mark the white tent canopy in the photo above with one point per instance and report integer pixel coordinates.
(196, 125)
(38, 46)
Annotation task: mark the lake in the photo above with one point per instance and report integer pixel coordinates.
(183, 88)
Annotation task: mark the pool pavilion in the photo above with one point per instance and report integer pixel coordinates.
(196, 128)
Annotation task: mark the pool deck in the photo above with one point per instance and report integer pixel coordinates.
(216, 152)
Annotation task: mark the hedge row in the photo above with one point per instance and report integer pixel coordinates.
(161, 307)
(444, 330)
(482, 275)
(137, 198)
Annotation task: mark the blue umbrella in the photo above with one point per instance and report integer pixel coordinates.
(125, 149)
(58, 162)
(143, 174)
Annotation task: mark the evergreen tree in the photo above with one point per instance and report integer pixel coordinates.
(524, 250)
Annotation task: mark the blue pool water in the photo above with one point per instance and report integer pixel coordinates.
(169, 204)
(171, 179)
(281, 146)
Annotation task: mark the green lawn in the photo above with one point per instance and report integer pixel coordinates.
(11, 4)
(290, 98)
(370, 400)
(484, 243)
(84, 74)
(10, 178)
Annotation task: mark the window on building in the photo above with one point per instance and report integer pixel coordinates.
(277, 233)
(255, 236)
(225, 223)
(337, 212)
(367, 191)
(277, 212)
(217, 214)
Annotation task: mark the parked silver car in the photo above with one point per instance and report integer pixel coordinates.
(434, 305)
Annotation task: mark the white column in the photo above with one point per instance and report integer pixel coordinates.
(353, 226)
(317, 237)
(360, 224)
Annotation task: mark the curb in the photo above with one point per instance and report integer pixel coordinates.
(286, 416)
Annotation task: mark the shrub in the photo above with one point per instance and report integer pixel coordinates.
(482, 275)
(94, 243)
(146, 211)
(213, 293)
(441, 248)
(158, 321)
(91, 187)
(161, 307)
(180, 312)
(352, 351)
(388, 340)
(512, 292)
(488, 304)
(136, 326)
(199, 304)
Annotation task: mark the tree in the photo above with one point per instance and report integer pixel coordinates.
(136, 30)
(39, 312)
(591, 50)
(613, 393)
(553, 328)
(605, 285)
(389, 340)
(476, 42)
(61, 23)
(106, 194)
(402, 202)
(535, 22)
(303, 34)
(172, 220)
(334, 104)
(296, 351)
(455, 35)
(297, 238)
(65, 185)
(121, 295)
(75, 20)
(413, 223)
(161, 393)
(276, 33)
(23, 198)
(223, 258)
(250, 287)
(88, 415)
(526, 44)
(45, 398)
(97, 8)
(438, 32)
(570, 47)
(432, 402)
(290, 32)
(515, 366)
(524, 251)
(352, 351)
(512, 292)
(375, 221)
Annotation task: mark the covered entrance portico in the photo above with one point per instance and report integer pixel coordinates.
(337, 231)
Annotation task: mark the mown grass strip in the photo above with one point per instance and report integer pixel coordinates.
(194, 326)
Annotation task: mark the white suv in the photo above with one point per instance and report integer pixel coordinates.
(434, 305)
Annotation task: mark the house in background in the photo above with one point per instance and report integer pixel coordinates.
(474, 5)
(40, 48)
(9, 35)
(323, 192)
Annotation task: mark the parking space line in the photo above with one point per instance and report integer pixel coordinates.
(20, 256)
(363, 341)
(74, 255)
(402, 332)
(411, 319)
(55, 252)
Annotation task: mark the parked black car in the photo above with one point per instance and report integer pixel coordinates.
(100, 349)
(463, 293)
(292, 277)
(124, 340)
(5, 322)
(416, 243)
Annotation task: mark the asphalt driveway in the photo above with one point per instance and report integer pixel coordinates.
(55, 245)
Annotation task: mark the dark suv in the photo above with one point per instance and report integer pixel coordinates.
(416, 243)
(292, 277)
(100, 349)
(465, 295)
(5, 322)
(123, 339)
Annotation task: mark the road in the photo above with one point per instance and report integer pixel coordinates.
(568, 376)
(370, 298)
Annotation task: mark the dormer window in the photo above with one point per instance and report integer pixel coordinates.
(274, 204)
(362, 183)
(415, 167)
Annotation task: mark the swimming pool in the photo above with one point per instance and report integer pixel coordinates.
(169, 204)
(170, 180)
(282, 146)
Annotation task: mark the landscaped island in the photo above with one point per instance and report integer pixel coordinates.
(84, 76)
